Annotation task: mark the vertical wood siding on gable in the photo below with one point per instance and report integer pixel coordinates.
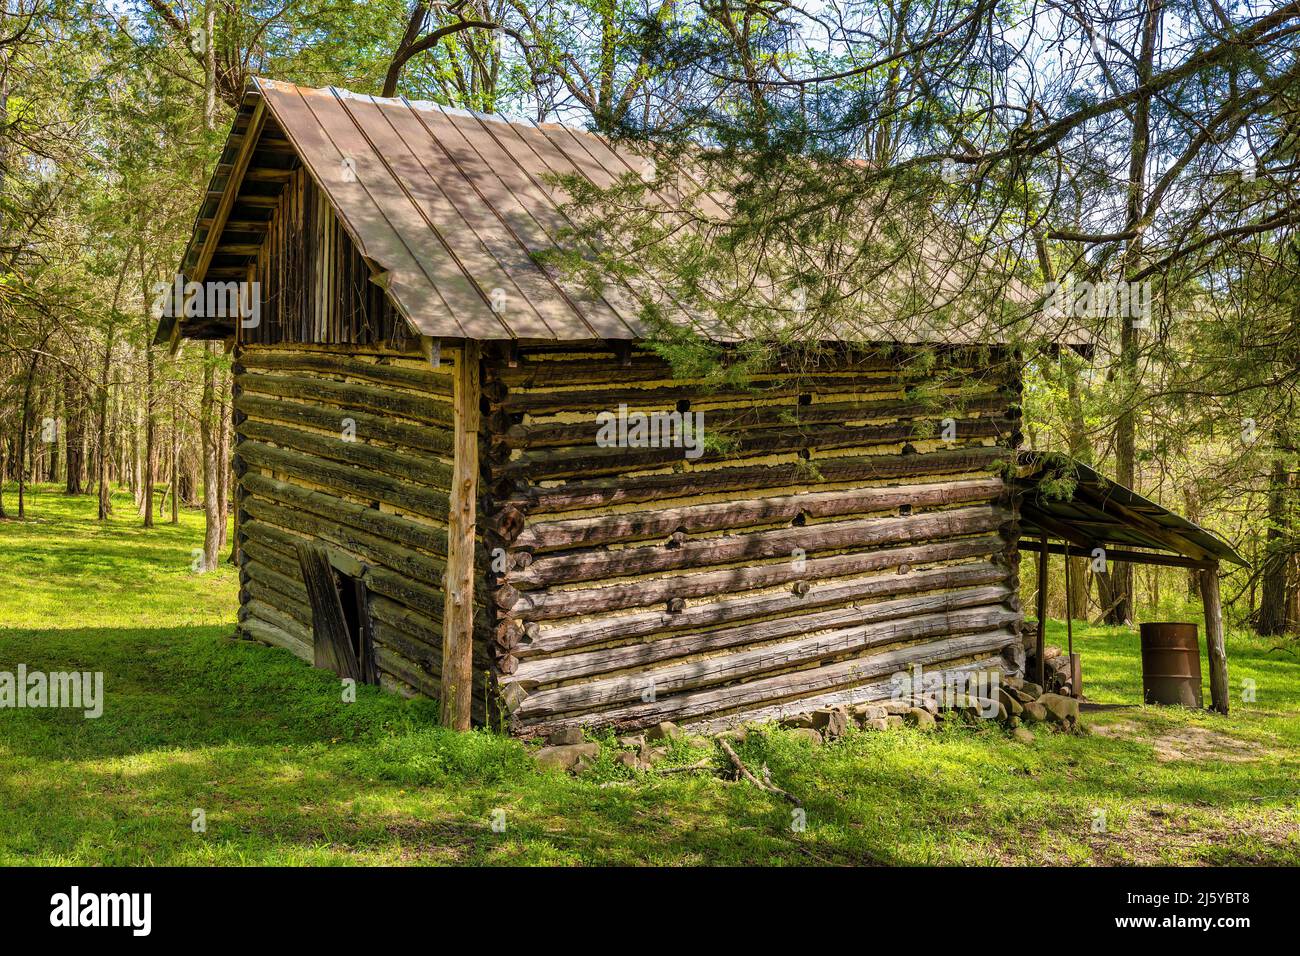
(315, 285)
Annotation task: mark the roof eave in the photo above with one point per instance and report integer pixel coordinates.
(171, 328)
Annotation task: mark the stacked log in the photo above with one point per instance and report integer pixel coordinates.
(349, 448)
(835, 530)
(1058, 675)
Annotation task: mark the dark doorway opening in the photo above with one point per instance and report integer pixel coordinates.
(342, 629)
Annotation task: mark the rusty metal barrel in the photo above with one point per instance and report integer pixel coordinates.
(1171, 664)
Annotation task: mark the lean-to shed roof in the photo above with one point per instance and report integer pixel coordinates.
(1101, 512)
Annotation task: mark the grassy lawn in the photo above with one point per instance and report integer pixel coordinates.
(287, 773)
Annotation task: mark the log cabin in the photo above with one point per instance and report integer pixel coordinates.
(438, 490)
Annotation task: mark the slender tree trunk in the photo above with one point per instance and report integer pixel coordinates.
(4, 165)
(150, 445)
(74, 433)
(52, 457)
(1293, 595)
(189, 480)
(1293, 565)
(136, 462)
(128, 444)
(210, 65)
(232, 483)
(149, 442)
(1192, 512)
(211, 467)
(24, 427)
(223, 464)
(1273, 604)
(35, 449)
(1121, 574)
(104, 451)
(176, 463)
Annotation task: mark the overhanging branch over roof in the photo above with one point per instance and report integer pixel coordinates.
(454, 209)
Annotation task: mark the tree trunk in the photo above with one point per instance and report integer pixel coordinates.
(24, 427)
(176, 462)
(189, 482)
(149, 442)
(127, 433)
(103, 450)
(136, 461)
(223, 464)
(74, 433)
(1121, 574)
(211, 478)
(1192, 512)
(210, 65)
(52, 457)
(1293, 595)
(1273, 605)
(232, 483)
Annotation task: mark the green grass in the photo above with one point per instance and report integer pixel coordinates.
(287, 773)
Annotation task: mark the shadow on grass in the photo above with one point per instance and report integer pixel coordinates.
(187, 686)
(287, 772)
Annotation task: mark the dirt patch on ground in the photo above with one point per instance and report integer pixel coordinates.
(1201, 743)
(1123, 730)
(1155, 835)
(1185, 743)
(1169, 835)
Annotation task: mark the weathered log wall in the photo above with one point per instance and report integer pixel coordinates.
(836, 529)
(350, 447)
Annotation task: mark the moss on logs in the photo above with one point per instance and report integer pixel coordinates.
(605, 493)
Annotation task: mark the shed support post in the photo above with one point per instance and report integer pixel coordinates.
(1214, 645)
(1042, 614)
(458, 588)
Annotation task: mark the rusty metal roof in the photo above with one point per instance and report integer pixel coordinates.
(453, 206)
(1104, 512)
(452, 209)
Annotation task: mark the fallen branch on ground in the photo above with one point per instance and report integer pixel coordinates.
(745, 772)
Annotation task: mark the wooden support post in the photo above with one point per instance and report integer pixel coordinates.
(1069, 610)
(458, 607)
(1076, 670)
(1214, 639)
(432, 349)
(1042, 613)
